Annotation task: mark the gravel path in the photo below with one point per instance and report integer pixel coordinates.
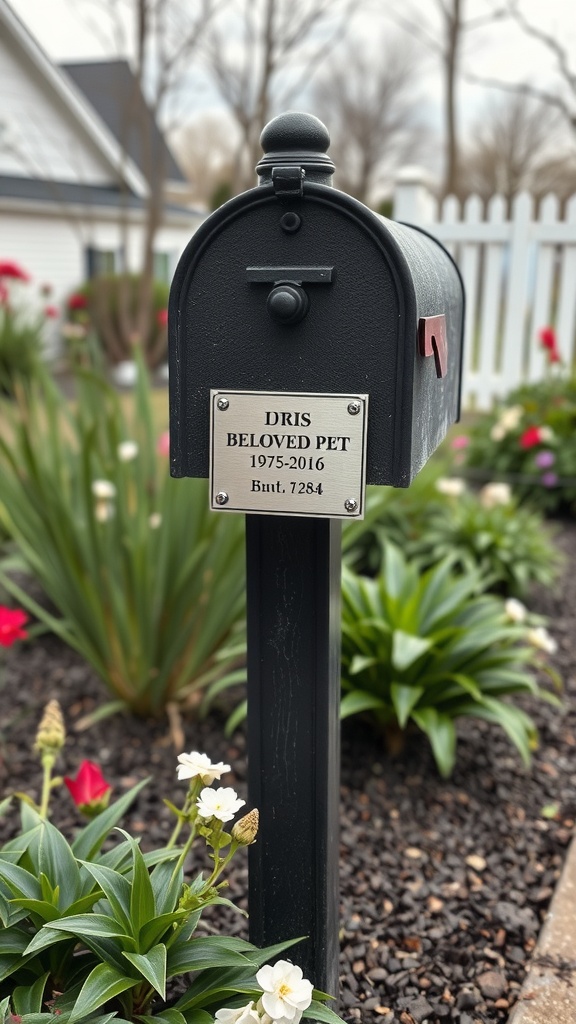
(444, 885)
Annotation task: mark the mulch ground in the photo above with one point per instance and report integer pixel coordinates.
(444, 884)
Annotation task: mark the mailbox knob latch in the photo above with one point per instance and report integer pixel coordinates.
(287, 303)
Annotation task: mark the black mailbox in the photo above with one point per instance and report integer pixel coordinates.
(295, 287)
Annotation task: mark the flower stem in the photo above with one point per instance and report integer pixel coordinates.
(47, 765)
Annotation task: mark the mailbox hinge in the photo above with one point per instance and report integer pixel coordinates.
(288, 182)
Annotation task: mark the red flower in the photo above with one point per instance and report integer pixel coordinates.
(548, 338)
(162, 317)
(531, 437)
(11, 622)
(548, 341)
(77, 301)
(10, 269)
(51, 312)
(89, 790)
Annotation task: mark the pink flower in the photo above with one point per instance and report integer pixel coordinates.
(89, 790)
(51, 312)
(11, 622)
(163, 444)
(549, 479)
(77, 301)
(461, 441)
(162, 317)
(10, 269)
(530, 437)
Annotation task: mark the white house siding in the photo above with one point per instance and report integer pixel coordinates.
(52, 249)
(40, 138)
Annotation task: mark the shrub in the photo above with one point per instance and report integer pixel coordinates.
(21, 326)
(438, 518)
(147, 581)
(113, 307)
(93, 934)
(529, 441)
(424, 648)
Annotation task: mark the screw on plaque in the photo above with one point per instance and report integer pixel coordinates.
(221, 498)
(222, 404)
(351, 505)
(354, 408)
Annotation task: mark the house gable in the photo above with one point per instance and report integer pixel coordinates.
(47, 129)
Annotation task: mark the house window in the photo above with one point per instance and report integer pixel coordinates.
(101, 261)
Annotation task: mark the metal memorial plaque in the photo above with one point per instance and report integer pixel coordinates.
(288, 454)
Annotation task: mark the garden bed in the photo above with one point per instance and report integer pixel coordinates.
(444, 884)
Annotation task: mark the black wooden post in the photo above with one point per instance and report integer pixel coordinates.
(293, 591)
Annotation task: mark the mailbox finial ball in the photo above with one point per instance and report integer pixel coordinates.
(296, 139)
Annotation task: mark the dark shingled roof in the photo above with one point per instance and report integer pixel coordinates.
(113, 91)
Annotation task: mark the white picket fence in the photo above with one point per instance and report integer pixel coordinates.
(519, 276)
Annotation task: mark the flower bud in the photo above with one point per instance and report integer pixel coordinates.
(245, 829)
(51, 734)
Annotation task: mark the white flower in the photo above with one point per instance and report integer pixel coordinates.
(515, 610)
(220, 803)
(497, 432)
(155, 520)
(510, 418)
(244, 1015)
(286, 992)
(127, 451)
(194, 764)
(265, 1018)
(546, 434)
(104, 511)
(103, 489)
(451, 486)
(540, 638)
(495, 494)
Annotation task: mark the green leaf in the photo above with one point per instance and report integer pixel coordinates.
(168, 1017)
(57, 862)
(406, 649)
(317, 1011)
(102, 984)
(90, 839)
(116, 888)
(198, 1017)
(99, 925)
(199, 954)
(20, 882)
(360, 662)
(142, 903)
(442, 735)
(46, 938)
(29, 998)
(404, 698)
(152, 967)
(355, 701)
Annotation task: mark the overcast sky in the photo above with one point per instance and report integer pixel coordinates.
(77, 30)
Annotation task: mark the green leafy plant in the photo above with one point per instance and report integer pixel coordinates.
(123, 317)
(94, 932)
(21, 326)
(484, 531)
(528, 440)
(424, 648)
(148, 583)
